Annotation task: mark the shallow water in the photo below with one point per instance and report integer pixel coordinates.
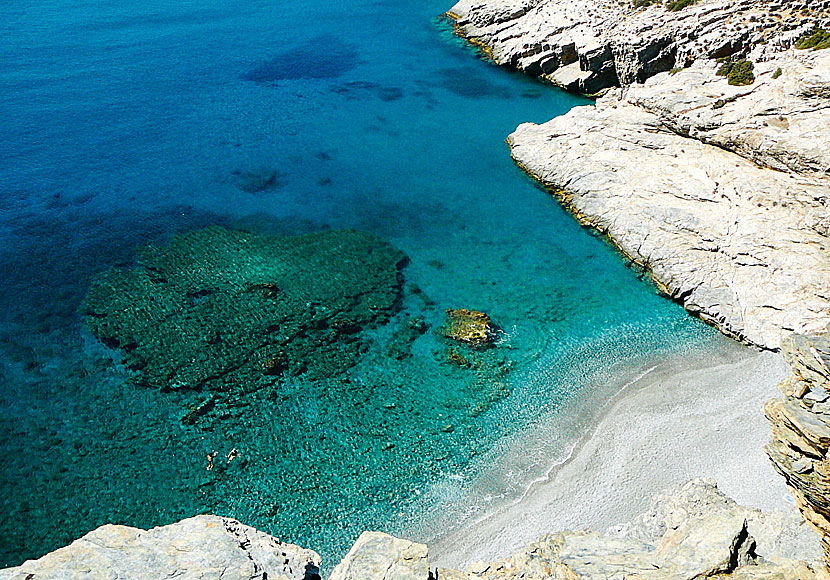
(127, 122)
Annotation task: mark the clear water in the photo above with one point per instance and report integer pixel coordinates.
(126, 122)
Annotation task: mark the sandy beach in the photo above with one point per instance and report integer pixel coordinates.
(679, 420)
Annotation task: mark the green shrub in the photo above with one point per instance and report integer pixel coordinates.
(817, 40)
(741, 73)
(777, 73)
(674, 71)
(644, 3)
(738, 73)
(675, 5)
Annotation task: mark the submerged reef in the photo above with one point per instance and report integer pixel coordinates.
(303, 375)
(227, 311)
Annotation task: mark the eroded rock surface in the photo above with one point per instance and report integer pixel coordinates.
(589, 45)
(721, 190)
(201, 547)
(743, 246)
(689, 531)
(800, 422)
(379, 556)
(781, 121)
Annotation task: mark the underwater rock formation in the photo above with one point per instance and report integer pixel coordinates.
(225, 310)
(800, 422)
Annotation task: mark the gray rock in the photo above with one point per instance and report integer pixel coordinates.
(379, 556)
(706, 546)
(779, 536)
(201, 547)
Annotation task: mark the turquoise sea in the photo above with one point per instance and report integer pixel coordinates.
(125, 123)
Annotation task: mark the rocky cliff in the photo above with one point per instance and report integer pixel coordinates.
(716, 183)
(739, 243)
(590, 45)
(689, 532)
(801, 429)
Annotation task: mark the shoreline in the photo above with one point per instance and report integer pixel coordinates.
(637, 445)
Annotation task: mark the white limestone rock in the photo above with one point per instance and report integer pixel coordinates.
(616, 43)
(780, 121)
(198, 548)
(379, 556)
(742, 246)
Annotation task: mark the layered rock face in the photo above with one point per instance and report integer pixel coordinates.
(589, 45)
(739, 243)
(801, 429)
(689, 532)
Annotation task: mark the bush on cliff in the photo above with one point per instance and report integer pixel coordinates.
(738, 73)
(676, 5)
(818, 40)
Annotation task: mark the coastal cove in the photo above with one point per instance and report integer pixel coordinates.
(133, 123)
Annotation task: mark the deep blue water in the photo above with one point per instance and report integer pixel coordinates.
(126, 122)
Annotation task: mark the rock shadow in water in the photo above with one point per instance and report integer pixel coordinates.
(471, 82)
(354, 90)
(259, 180)
(322, 57)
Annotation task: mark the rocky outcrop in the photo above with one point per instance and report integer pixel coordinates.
(720, 190)
(196, 548)
(378, 556)
(589, 45)
(470, 327)
(696, 179)
(800, 422)
(779, 122)
(744, 247)
(689, 532)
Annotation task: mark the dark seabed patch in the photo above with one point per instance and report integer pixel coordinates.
(470, 82)
(322, 57)
(357, 89)
(259, 180)
(48, 295)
